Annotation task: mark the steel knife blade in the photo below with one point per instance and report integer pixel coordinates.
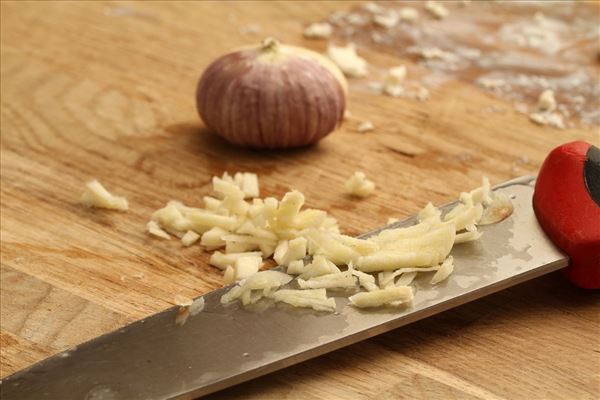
(156, 358)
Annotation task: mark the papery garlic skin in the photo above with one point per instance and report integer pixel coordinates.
(272, 96)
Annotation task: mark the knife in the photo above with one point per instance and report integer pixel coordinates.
(158, 358)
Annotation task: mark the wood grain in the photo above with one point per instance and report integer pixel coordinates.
(105, 90)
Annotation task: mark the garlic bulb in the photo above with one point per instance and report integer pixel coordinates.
(272, 96)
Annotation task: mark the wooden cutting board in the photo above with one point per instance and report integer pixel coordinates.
(106, 90)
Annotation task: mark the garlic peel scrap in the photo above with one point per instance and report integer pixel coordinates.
(500, 208)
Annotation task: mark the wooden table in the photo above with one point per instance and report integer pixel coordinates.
(106, 90)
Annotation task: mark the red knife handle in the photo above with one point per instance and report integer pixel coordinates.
(566, 202)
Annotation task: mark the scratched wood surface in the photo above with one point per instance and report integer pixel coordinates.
(105, 90)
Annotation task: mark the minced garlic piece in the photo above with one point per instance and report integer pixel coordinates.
(189, 238)
(296, 250)
(183, 301)
(311, 298)
(358, 185)
(246, 243)
(406, 279)
(467, 218)
(280, 251)
(197, 306)
(339, 280)
(295, 267)
(392, 220)
(444, 272)
(491, 83)
(386, 279)
(392, 85)
(373, 8)
(229, 275)
(155, 230)
(360, 246)
(213, 238)
(318, 267)
(201, 221)
(544, 114)
(552, 119)
(333, 249)
(222, 261)
(289, 208)
(546, 101)
(467, 237)
(390, 260)
(396, 75)
(95, 195)
(318, 30)
(367, 281)
(247, 266)
(211, 204)
(381, 297)
(437, 9)
(482, 194)
(394, 90)
(261, 283)
(357, 19)
(232, 196)
(246, 181)
(434, 53)
(239, 247)
(408, 14)
(366, 126)
(388, 20)
(346, 58)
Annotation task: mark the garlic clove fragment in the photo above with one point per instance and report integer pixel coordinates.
(272, 96)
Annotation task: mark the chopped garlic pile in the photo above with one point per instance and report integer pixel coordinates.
(242, 233)
(95, 195)
(358, 185)
(346, 58)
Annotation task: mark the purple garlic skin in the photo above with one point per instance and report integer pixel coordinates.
(271, 98)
